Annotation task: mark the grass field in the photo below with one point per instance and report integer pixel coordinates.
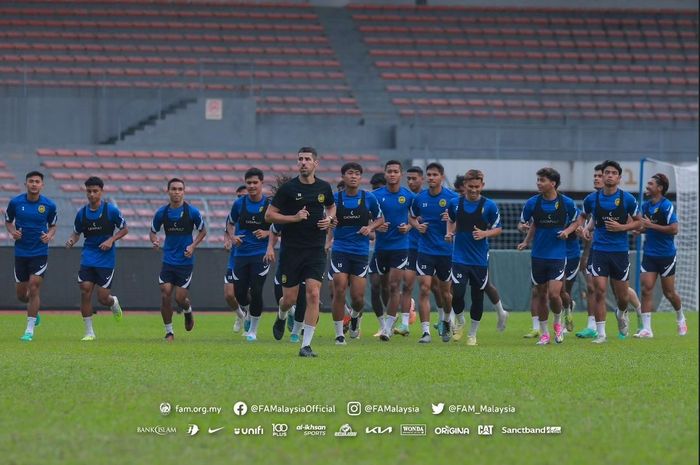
(65, 401)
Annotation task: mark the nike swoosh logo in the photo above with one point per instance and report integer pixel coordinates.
(212, 431)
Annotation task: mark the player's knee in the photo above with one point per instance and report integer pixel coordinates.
(670, 294)
(425, 289)
(105, 300)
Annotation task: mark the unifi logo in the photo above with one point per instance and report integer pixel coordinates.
(257, 431)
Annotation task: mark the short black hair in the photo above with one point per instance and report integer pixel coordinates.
(175, 180)
(94, 181)
(662, 180)
(551, 174)
(393, 162)
(435, 166)
(240, 188)
(254, 172)
(459, 181)
(614, 164)
(310, 150)
(351, 165)
(31, 174)
(415, 169)
(598, 167)
(378, 179)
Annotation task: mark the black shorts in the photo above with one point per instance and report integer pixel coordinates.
(352, 264)
(665, 266)
(434, 265)
(470, 274)
(26, 266)
(297, 265)
(100, 276)
(615, 265)
(250, 265)
(384, 260)
(544, 270)
(572, 265)
(177, 275)
(412, 258)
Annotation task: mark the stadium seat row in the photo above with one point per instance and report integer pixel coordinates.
(161, 49)
(143, 12)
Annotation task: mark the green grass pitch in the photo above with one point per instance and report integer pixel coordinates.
(63, 401)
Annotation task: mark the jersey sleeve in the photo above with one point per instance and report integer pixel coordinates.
(373, 204)
(670, 211)
(280, 201)
(10, 212)
(571, 210)
(157, 222)
(52, 217)
(328, 198)
(588, 205)
(234, 213)
(528, 208)
(492, 215)
(115, 216)
(631, 205)
(414, 209)
(452, 209)
(197, 218)
(78, 223)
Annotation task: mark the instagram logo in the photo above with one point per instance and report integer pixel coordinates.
(354, 408)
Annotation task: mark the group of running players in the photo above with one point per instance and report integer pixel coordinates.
(435, 236)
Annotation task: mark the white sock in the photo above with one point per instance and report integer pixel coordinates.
(389, 323)
(474, 328)
(188, 309)
(646, 321)
(425, 326)
(88, 326)
(404, 318)
(169, 328)
(459, 318)
(240, 313)
(557, 318)
(31, 321)
(679, 315)
(499, 307)
(536, 323)
(380, 319)
(544, 329)
(600, 327)
(245, 309)
(591, 322)
(620, 314)
(338, 328)
(115, 301)
(441, 314)
(451, 317)
(254, 320)
(308, 335)
(282, 315)
(296, 329)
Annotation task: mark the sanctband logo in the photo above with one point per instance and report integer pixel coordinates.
(345, 432)
(414, 430)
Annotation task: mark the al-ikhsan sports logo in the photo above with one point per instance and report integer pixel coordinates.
(443, 202)
(42, 209)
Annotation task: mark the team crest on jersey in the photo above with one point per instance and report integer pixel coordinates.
(284, 279)
(261, 209)
(42, 209)
(402, 199)
(656, 209)
(443, 202)
(556, 205)
(321, 198)
(617, 201)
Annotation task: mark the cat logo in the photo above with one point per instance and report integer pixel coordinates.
(443, 202)
(321, 198)
(42, 209)
(617, 202)
(284, 279)
(402, 200)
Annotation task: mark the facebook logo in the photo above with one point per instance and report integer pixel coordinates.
(240, 408)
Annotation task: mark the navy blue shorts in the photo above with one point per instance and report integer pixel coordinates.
(384, 260)
(572, 265)
(544, 270)
(665, 266)
(100, 276)
(352, 264)
(251, 266)
(615, 265)
(412, 258)
(434, 265)
(26, 266)
(177, 275)
(470, 274)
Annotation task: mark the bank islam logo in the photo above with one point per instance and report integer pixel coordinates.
(484, 430)
(280, 430)
(165, 409)
(345, 431)
(192, 430)
(438, 408)
(379, 430)
(159, 430)
(240, 408)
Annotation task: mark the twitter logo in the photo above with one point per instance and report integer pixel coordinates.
(437, 409)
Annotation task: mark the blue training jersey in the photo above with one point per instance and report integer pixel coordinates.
(395, 207)
(467, 250)
(658, 244)
(33, 219)
(550, 217)
(617, 207)
(87, 219)
(430, 209)
(346, 238)
(177, 242)
(254, 219)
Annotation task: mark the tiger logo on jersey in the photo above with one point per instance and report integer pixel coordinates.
(443, 203)
(284, 279)
(42, 209)
(402, 199)
(321, 198)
